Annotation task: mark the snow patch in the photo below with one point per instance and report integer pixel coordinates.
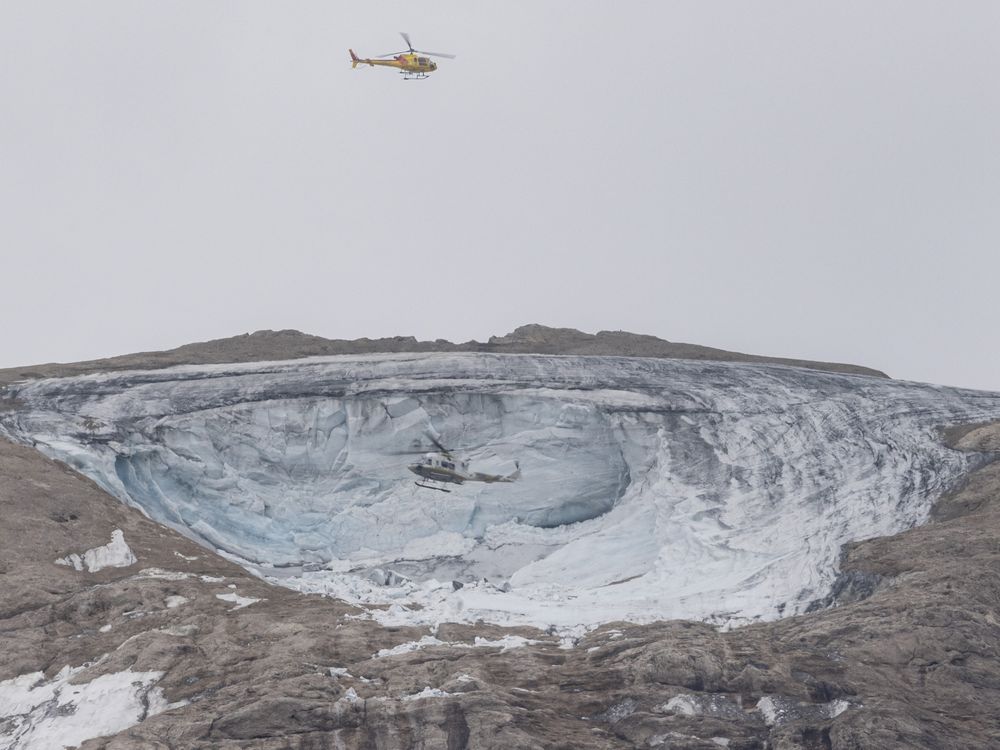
(40, 714)
(239, 601)
(427, 692)
(409, 647)
(776, 709)
(506, 643)
(114, 554)
(161, 574)
(683, 705)
(836, 708)
(769, 710)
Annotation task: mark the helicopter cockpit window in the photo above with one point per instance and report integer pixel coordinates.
(422, 60)
(448, 465)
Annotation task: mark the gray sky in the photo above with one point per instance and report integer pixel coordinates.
(796, 178)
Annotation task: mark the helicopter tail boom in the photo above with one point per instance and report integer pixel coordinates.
(491, 478)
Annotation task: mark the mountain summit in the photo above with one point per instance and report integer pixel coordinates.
(527, 339)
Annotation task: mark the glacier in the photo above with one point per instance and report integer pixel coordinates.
(651, 488)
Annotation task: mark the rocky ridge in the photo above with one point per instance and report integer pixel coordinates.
(528, 339)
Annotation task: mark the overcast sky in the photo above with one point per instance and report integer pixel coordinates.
(796, 178)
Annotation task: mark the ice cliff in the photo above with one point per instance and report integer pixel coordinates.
(651, 488)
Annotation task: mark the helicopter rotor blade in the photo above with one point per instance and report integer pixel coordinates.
(438, 444)
(417, 450)
(435, 54)
(392, 54)
(406, 38)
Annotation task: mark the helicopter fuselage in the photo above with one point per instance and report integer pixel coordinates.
(440, 469)
(408, 63)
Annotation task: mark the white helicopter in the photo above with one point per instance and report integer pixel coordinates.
(442, 467)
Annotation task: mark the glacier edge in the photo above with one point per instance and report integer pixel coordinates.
(652, 489)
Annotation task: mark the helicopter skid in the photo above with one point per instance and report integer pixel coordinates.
(432, 487)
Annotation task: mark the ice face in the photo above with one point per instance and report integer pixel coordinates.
(650, 488)
(312, 479)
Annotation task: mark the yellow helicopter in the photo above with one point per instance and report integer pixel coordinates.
(412, 63)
